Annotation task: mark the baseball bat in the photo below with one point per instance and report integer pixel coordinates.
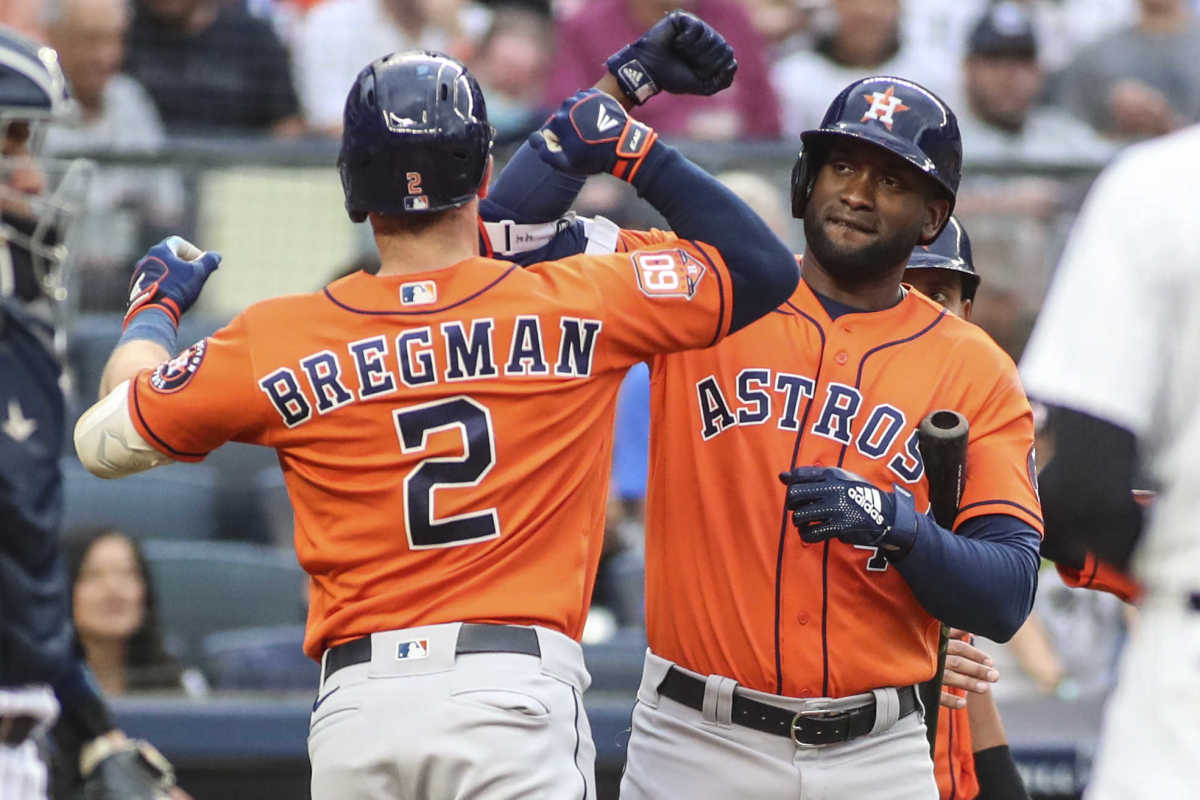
(942, 439)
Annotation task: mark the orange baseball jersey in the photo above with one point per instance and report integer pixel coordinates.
(731, 588)
(446, 436)
(954, 754)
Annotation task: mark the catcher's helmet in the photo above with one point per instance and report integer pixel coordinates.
(892, 113)
(952, 251)
(416, 137)
(39, 197)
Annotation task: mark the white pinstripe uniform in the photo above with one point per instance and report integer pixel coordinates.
(1119, 339)
(22, 772)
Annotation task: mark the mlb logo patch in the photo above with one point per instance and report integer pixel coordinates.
(418, 294)
(417, 203)
(411, 650)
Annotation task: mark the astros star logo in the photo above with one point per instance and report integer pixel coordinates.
(883, 106)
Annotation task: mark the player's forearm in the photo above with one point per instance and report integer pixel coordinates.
(987, 729)
(981, 580)
(698, 206)
(128, 359)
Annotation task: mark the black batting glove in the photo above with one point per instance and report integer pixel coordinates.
(832, 503)
(681, 54)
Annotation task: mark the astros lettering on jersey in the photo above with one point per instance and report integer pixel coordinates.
(496, 386)
(758, 604)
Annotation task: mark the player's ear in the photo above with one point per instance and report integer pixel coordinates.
(966, 310)
(937, 209)
(487, 178)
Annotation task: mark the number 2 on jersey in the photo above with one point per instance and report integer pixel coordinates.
(413, 427)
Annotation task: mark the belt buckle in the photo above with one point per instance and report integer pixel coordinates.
(794, 727)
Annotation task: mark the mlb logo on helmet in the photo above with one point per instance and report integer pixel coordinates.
(416, 648)
(417, 203)
(418, 294)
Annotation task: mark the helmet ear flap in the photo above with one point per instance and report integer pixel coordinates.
(801, 184)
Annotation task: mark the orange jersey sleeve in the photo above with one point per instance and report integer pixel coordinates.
(731, 588)
(666, 272)
(445, 437)
(202, 398)
(1096, 574)
(1001, 475)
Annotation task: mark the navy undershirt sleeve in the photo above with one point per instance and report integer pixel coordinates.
(698, 206)
(695, 204)
(529, 190)
(981, 579)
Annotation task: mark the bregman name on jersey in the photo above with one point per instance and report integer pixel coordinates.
(467, 353)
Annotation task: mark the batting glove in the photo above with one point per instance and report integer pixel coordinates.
(590, 133)
(169, 277)
(681, 54)
(827, 502)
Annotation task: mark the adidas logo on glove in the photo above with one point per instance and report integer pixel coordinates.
(868, 500)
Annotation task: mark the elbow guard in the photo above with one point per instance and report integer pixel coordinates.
(107, 443)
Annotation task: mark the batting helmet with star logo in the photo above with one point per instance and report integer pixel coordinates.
(895, 114)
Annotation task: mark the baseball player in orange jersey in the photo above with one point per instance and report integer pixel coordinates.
(780, 664)
(972, 759)
(444, 428)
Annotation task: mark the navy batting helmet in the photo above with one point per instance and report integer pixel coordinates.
(416, 137)
(951, 251)
(892, 113)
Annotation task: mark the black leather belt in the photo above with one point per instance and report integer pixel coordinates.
(15, 730)
(805, 727)
(472, 638)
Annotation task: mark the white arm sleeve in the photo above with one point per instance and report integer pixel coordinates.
(108, 444)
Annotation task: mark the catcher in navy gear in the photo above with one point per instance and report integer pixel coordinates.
(42, 675)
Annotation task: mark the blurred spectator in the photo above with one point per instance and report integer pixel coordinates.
(859, 38)
(116, 617)
(1016, 220)
(512, 65)
(766, 199)
(337, 38)
(783, 24)
(1069, 646)
(747, 110)
(1064, 27)
(127, 207)
(210, 66)
(1003, 78)
(1141, 80)
(23, 16)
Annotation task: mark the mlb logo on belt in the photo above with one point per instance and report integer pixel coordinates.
(418, 294)
(414, 649)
